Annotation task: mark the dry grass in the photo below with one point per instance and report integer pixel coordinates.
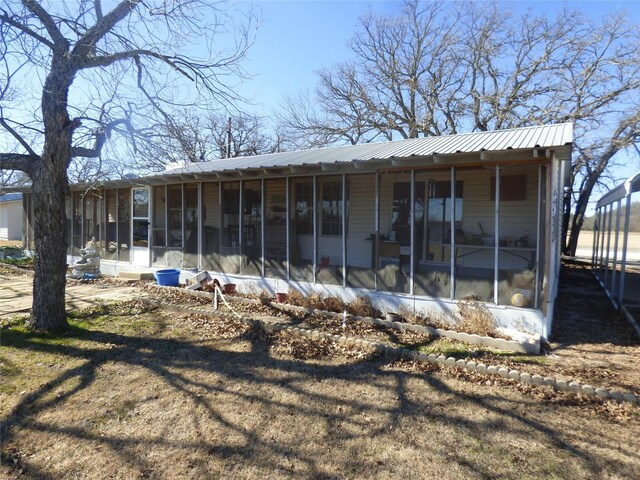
(476, 318)
(10, 243)
(129, 393)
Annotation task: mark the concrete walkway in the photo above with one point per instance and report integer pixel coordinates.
(16, 295)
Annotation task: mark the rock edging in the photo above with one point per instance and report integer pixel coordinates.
(449, 362)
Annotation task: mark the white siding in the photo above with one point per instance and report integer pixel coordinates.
(11, 220)
(361, 219)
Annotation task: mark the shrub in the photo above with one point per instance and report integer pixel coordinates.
(363, 307)
(476, 318)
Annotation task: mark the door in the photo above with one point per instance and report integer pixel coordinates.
(140, 227)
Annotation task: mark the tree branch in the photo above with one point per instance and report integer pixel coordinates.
(18, 161)
(18, 137)
(5, 18)
(57, 37)
(105, 23)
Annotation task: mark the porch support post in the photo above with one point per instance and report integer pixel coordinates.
(262, 221)
(412, 221)
(315, 227)
(603, 220)
(606, 271)
(220, 225)
(241, 226)
(287, 186)
(452, 255)
(115, 191)
(151, 226)
(376, 240)
(623, 264)
(200, 224)
(183, 218)
(344, 230)
(615, 253)
(496, 252)
(538, 239)
(595, 236)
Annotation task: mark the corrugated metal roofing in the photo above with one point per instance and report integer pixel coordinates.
(543, 136)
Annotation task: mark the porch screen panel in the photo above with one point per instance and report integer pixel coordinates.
(91, 220)
(275, 228)
(432, 232)
(517, 236)
(329, 223)
(191, 229)
(301, 255)
(361, 231)
(211, 223)
(110, 247)
(68, 210)
(394, 254)
(77, 223)
(124, 224)
(159, 237)
(252, 228)
(474, 251)
(230, 249)
(173, 256)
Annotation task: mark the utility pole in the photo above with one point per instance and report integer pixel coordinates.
(229, 138)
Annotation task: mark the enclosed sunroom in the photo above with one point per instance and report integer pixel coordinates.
(422, 223)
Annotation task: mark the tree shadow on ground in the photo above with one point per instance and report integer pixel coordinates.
(584, 314)
(199, 372)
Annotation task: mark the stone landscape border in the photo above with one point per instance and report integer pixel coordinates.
(408, 354)
(531, 347)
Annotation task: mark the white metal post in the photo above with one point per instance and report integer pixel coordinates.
(606, 271)
(452, 242)
(315, 228)
(344, 230)
(412, 213)
(536, 292)
(596, 227)
(263, 215)
(623, 264)
(287, 210)
(495, 238)
(376, 240)
(615, 253)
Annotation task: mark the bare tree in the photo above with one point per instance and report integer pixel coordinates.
(193, 136)
(439, 67)
(97, 73)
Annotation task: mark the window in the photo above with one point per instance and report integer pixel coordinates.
(303, 211)
(440, 201)
(401, 210)
(332, 208)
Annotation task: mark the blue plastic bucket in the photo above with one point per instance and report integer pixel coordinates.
(169, 277)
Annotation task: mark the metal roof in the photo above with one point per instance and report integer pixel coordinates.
(11, 197)
(543, 136)
(631, 185)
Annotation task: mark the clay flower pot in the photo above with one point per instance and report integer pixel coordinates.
(281, 297)
(229, 288)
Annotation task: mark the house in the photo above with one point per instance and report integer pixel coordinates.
(422, 222)
(11, 216)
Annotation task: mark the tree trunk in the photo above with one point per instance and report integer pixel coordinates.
(50, 184)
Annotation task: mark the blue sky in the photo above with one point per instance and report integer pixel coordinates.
(296, 38)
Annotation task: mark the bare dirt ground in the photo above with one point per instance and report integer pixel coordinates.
(130, 392)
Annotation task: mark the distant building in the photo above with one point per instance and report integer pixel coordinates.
(11, 216)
